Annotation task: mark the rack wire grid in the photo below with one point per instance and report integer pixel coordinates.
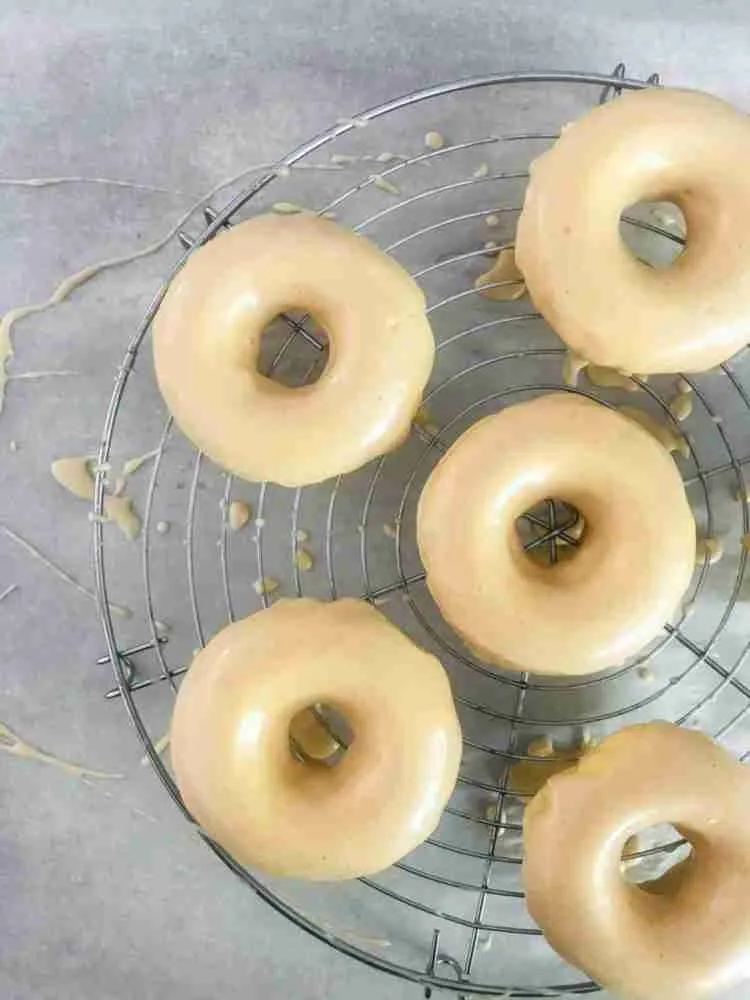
(451, 915)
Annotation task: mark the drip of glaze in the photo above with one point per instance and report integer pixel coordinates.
(11, 743)
(159, 747)
(74, 474)
(709, 549)
(265, 585)
(503, 274)
(526, 777)
(238, 514)
(117, 609)
(286, 208)
(434, 140)
(383, 184)
(303, 559)
(573, 365)
(681, 406)
(610, 378)
(73, 281)
(423, 420)
(132, 465)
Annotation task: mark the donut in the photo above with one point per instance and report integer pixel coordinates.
(685, 935)
(207, 334)
(274, 812)
(626, 578)
(649, 145)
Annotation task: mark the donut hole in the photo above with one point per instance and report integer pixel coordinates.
(654, 231)
(551, 531)
(651, 857)
(319, 734)
(293, 349)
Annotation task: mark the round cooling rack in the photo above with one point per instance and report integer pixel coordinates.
(451, 915)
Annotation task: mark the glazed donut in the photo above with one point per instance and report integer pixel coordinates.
(649, 145)
(686, 934)
(207, 334)
(271, 811)
(587, 612)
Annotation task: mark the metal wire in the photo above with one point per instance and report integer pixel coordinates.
(464, 883)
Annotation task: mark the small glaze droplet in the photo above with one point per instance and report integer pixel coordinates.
(303, 559)
(709, 549)
(423, 419)
(238, 514)
(482, 171)
(492, 221)
(133, 464)
(159, 747)
(286, 208)
(434, 140)
(681, 406)
(383, 184)
(162, 527)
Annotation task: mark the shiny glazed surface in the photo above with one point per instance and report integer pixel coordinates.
(687, 934)
(650, 145)
(230, 740)
(625, 580)
(207, 334)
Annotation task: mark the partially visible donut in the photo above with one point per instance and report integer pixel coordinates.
(230, 740)
(649, 145)
(207, 336)
(685, 935)
(625, 580)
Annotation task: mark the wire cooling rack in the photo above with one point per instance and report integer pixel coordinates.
(451, 915)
